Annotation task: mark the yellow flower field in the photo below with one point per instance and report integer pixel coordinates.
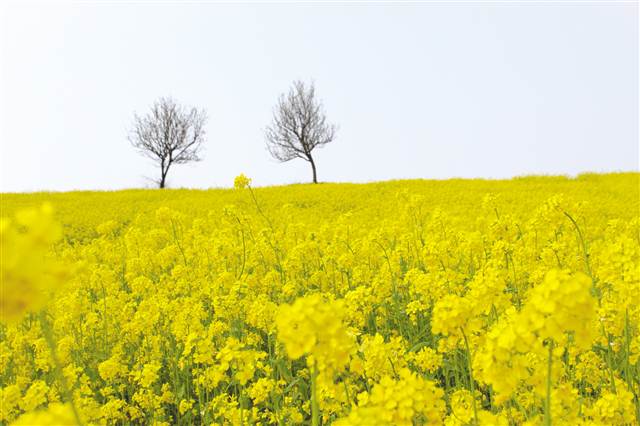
(454, 302)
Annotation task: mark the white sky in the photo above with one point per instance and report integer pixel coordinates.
(419, 90)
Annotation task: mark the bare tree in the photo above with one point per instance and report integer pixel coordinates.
(299, 126)
(169, 134)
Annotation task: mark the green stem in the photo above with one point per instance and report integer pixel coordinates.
(547, 409)
(627, 364)
(177, 241)
(48, 335)
(585, 250)
(255, 201)
(315, 409)
(585, 255)
(471, 383)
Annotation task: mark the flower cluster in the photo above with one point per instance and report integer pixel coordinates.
(314, 326)
(241, 181)
(403, 401)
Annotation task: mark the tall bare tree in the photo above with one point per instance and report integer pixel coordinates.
(299, 126)
(169, 134)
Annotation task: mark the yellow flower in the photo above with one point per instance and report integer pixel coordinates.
(261, 390)
(462, 406)
(35, 397)
(185, 406)
(10, 397)
(111, 369)
(313, 326)
(107, 227)
(613, 408)
(241, 181)
(382, 358)
(451, 314)
(398, 402)
(427, 359)
(562, 303)
(149, 374)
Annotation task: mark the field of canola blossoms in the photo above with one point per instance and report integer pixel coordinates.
(455, 302)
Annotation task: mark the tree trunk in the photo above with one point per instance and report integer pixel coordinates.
(313, 167)
(163, 174)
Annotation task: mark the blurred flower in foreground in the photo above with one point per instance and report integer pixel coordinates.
(313, 326)
(26, 273)
(55, 414)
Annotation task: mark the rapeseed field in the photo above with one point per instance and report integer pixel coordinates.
(459, 302)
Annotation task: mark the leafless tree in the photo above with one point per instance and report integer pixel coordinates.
(299, 126)
(169, 134)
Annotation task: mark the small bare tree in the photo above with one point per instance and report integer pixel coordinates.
(299, 126)
(169, 134)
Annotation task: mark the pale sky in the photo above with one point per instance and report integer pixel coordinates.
(426, 90)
